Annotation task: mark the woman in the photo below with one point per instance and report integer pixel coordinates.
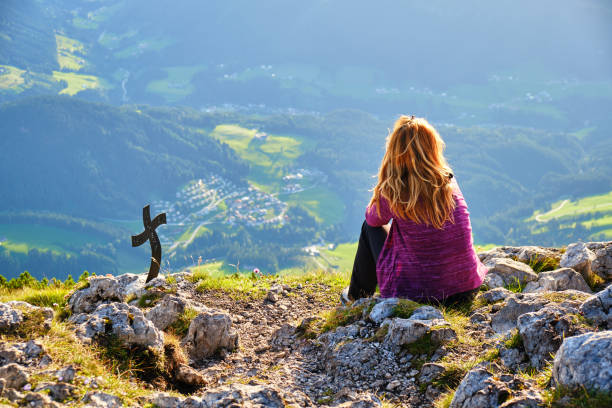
(426, 254)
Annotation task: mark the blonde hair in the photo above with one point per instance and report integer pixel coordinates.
(414, 175)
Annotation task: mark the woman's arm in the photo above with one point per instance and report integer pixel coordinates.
(372, 217)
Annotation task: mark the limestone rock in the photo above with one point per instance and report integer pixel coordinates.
(189, 376)
(557, 280)
(37, 400)
(210, 331)
(426, 313)
(243, 395)
(97, 399)
(578, 257)
(14, 375)
(504, 272)
(9, 317)
(124, 321)
(167, 311)
(598, 308)
(25, 354)
(543, 331)
(406, 331)
(383, 309)
(512, 358)
(479, 389)
(430, 371)
(57, 391)
(14, 313)
(496, 295)
(602, 265)
(530, 254)
(505, 318)
(101, 289)
(585, 361)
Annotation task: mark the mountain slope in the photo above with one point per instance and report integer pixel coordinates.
(96, 160)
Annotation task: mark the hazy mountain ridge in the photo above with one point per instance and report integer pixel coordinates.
(130, 156)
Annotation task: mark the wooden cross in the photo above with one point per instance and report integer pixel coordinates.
(150, 235)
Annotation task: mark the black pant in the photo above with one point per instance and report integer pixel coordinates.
(363, 279)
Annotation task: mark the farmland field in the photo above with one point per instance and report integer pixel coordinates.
(567, 208)
(76, 82)
(22, 237)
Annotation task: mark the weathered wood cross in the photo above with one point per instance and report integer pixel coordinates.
(150, 235)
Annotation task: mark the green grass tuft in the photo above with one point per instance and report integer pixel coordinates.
(405, 308)
(515, 341)
(181, 325)
(578, 397)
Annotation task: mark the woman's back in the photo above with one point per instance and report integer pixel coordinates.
(428, 253)
(420, 262)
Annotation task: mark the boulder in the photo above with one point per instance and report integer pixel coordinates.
(210, 331)
(38, 400)
(234, 395)
(126, 322)
(505, 318)
(14, 376)
(505, 272)
(429, 372)
(512, 358)
(25, 354)
(383, 309)
(167, 311)
(97, 399)
(57, 391)
(530, 254)
(402, 332)
(189, 376)
(578, 257)
(9, 317)
(543, 331)
(479, 389)
(557, 280)
(426, 313)
(14, 313)
(585, 361)
(598, 308)
(495, 295)
(602, 265)
(100, 289)
(243, 395)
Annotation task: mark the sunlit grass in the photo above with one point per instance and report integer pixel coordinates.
(76, 82)
(11, 77)
(591, 204)
(67, 50)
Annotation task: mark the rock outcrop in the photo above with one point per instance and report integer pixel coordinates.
(585, 361)
(126, 322)
(210, 331)
(598, 308)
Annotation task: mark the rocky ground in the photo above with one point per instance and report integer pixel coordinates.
(538, 334)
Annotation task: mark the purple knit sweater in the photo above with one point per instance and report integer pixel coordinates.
(419, 261)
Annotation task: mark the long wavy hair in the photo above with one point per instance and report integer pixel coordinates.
(414, 175)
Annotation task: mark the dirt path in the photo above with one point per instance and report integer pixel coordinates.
(538, 218)
(266, 354)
